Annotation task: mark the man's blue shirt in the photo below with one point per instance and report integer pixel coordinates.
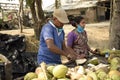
(44, 54)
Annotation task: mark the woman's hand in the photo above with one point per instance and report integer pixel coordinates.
(76, 56)
(96, 51)
(72, 56)
(81, 56)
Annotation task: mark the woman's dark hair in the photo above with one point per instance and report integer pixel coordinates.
(76, 21)
(73, 23)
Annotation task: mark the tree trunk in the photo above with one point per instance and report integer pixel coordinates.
(38, 16)
(57, 4)
(20, 18)
(115, 25)
(33, 12)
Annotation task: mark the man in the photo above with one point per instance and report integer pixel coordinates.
(52, 43)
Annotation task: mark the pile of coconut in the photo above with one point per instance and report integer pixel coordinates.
(93, 71)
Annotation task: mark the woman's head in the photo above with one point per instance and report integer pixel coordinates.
(78, 20)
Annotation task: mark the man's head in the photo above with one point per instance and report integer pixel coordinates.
(60, 17)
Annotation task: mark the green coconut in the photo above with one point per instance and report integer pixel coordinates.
(108, 79)
(49, 76)
(54, 78)
(60, 71)
(101, 75)
(36, 79)
(113, 54)
(114, 75)
(63, 79)
(93, 75)
(117, 52)
(83, 78)
(103, 52)
(41, 76)
(50, 69)
(115, 63)
(89, 78)
(30, 76)
(93, 61)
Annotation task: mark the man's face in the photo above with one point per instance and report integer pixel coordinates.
(58, 24)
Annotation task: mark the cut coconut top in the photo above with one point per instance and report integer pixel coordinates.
(81, 61)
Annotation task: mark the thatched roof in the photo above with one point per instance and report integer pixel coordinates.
(78, 5)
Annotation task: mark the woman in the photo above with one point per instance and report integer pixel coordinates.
(77, 38)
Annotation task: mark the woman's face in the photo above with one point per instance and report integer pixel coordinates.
(82, 23)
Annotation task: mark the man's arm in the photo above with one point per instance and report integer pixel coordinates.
(53, 48)
(71, 54)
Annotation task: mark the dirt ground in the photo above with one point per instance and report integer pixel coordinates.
(98, 35)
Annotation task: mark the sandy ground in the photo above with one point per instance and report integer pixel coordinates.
(98, 33)
(27, 32)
